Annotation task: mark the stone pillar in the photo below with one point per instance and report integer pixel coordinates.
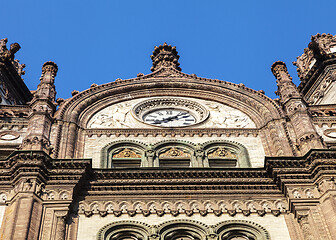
(23, 215)
(60, 224)
(296, 109)
(72, 133)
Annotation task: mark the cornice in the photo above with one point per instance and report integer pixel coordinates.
(172, 132)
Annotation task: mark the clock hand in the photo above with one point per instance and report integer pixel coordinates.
(173, 117)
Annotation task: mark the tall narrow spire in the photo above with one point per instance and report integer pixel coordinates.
(286, 88)
(296, 110)
(43, 109)
(165, 56)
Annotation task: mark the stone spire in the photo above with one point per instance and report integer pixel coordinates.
(286, 88)
(46, 88)
(43, 109)
(165, 56)
(296, 110)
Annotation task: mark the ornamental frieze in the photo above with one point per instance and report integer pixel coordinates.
(187, 207)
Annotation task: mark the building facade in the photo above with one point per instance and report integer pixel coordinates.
(169, 155)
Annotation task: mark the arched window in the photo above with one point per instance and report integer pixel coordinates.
(238, 235)
(125, 157)
(241, 230)
(124, 230)
(226, 154)
(221, 157)
(123, 154)
(172, 156)
(182, 230)
(182, 235)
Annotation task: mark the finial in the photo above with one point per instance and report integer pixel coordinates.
(165, 56)
(277, 67)
(50, 67)
(8, 54)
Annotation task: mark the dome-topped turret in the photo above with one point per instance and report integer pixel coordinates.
(165, 56)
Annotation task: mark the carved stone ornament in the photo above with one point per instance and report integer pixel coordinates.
(126, 153)
(174, 153)
(320, 45)
(221, 152)
(330, 133)
(187, 207)
(165, 56)
(9, 135)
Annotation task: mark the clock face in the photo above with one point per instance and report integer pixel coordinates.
(169, 117)
(170, 112)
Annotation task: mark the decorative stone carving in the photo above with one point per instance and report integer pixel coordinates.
(165, 56)
(227, 117)
(174, 152)
(321, 44)
(60, 224)
(9, 135)
(304, 224)
(8, 54)
(189, 208)
(220, 116)
(221, 152)
(3, 197)
(296, 194)
(126, 153)
(50, 196)
(309, 193)
(112, 117)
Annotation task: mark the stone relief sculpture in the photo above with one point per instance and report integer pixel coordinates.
(115, 116)
(227, 117)
(120, 116)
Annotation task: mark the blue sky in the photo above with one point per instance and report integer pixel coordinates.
(99, 41)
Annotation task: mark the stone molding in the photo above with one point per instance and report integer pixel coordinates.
(184, 207)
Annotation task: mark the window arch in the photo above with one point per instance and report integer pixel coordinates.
(124, 230)
(241, 230)
(174, 154)
(225, 154)
(182, 230)
(123, 154)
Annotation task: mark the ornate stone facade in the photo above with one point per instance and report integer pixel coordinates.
(169, 155)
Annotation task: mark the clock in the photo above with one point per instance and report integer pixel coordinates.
(169, 117)
(170, 112)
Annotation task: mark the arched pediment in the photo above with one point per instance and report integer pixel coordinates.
(169, 82)
(242, 103)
